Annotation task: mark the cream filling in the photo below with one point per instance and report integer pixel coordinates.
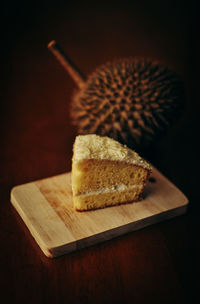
(120, 188)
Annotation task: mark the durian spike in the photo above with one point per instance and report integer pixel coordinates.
(68, 65)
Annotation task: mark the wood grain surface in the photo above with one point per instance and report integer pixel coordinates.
(158, 264)
(46, 207)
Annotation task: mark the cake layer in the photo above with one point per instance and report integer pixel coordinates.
(107, 197)
(94, 175)
(93, 146)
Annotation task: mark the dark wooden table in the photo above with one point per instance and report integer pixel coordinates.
(158, 264)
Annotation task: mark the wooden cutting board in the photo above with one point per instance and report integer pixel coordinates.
(46, 208)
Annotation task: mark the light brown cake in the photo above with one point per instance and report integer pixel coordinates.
(105, 173)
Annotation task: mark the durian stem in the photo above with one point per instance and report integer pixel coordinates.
(68, 65)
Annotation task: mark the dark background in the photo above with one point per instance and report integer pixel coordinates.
(154, 265)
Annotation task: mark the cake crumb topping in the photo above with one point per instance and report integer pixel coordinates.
(93, 146)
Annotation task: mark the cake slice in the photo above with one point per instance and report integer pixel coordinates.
(105, 173)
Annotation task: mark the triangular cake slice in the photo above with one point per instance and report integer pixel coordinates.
(105, 173)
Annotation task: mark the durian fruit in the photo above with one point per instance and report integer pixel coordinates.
(133, 100)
